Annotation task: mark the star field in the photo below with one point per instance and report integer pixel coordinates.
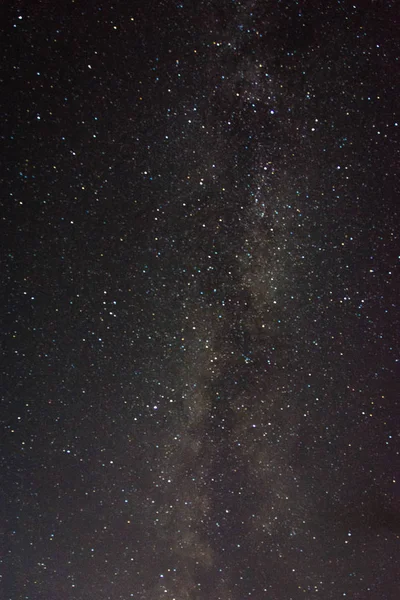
(199, 279)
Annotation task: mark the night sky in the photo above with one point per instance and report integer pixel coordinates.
(199, 242)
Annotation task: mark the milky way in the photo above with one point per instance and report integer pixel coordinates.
(200, 341)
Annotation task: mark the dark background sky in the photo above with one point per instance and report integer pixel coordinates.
(199, 244)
